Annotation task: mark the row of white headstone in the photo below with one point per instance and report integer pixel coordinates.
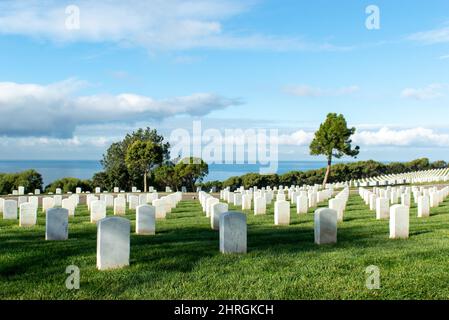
(303, 198)
(78, 190)
(113, 233)
(425, 176)
(233, 226)
(379, 200)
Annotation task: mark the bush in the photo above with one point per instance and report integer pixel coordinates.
(69, 185)
(30, 179)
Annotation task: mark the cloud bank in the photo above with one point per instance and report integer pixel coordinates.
(309, 91)
(154, 25)
(412, 137)
(55, 110)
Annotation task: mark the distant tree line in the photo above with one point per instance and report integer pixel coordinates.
(30, 179)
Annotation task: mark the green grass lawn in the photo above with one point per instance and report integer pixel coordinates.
(182, 260)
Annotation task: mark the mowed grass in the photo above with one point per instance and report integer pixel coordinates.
(182, 260)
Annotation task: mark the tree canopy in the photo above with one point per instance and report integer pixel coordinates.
(333, 140)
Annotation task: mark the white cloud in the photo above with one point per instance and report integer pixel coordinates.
(54, 110)
(440, 35)
(444, 57)
(418, 137)
(154, 25)
(432, 91)
(309, 91)
(410, 137)
(297, 138)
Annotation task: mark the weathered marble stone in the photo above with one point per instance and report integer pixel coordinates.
(34, 201)
(406, 199)
(312, 200)
(27, 214)
(246, 202)
(22, 199)
(325, 223)
(339, 206)
(209, 203)
(119, 206)
(58, 191)
(399, 222)
(109, 199)
(159, 206)
(21, 191)
(57, 200)
(233, 232)
(217, 210)
(133, 202)
(69, 204)
(47, 203)
(97, 190)
(302, 204)
(142, 199)
(10, 210)
(282, 213)
(78, 190)
(2, 203)
(280, 197)
(382, 208)
(237, 199)
(97, 211)
(372, 202)
(57, 224)
(113, 243)
(145, 219)
(423, 206)
(260, 205)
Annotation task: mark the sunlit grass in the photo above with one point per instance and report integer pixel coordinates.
(182, 260)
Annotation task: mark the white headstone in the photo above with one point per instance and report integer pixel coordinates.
(302, 204)
(217, 210)
(109, 199)
(97, 211)
(233, 232)
(10, 210)
(145, 219)
(339, 206)
(120, 206)
(282, 212)
(260, 205)
(57, 201)
(325, 224)
(27, 215)
(69, 204)
(159, 205)
(47, 203)
(382, 208)
(399, 222)
(133, 202)
(423, 206)
(113, 243)
(57, 224)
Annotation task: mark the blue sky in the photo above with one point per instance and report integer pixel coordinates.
(68, 93)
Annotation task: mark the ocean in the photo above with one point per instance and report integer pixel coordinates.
(84, 169)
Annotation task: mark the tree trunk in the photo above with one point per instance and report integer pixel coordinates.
(145, 182)
(328, 172)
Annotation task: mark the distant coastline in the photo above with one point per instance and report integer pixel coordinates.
(84, 169)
